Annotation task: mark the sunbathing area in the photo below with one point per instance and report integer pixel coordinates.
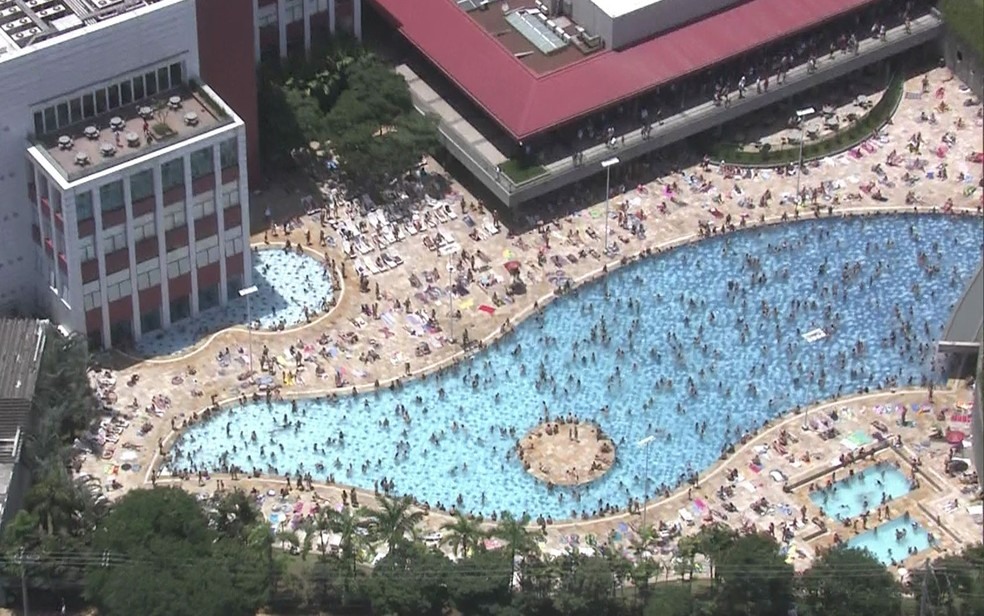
(448, 331)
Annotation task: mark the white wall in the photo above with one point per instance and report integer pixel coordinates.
(56, 68)
(660, 16)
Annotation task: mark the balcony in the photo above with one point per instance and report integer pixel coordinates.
(460, 137)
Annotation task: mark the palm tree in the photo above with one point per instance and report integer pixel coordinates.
(394, 520)
(519, 540)
(54, 500)
(463, 534)
(349, 525)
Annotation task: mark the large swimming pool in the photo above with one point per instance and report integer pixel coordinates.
(695, 346)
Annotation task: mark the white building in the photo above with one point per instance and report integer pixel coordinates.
(123, 188)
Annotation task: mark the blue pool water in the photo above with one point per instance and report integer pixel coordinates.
(884, 542)
(747, 365)
(285, 282)
(866, 490)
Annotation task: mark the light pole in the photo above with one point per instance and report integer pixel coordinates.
(607, 166)
(803, 115)
(645, 443)
(249, 323)
(451, 271)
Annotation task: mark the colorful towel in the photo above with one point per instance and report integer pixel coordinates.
(487, 309)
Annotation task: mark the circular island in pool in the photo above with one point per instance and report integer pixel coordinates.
(566, 452)
(694, 347)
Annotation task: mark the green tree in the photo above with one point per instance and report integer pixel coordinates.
(519, 542)
(849, 582)
(409, 581)
(753, 579)
(480, 584)
(350, 526)
(586, 587)
(954, 584)
(670, 599)
(395, 522)
(156, 554)
(463, 533)
(713, 540)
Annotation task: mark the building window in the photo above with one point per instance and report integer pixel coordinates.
(138, 88)
(62, 111)
(101, 101)
(38, 123)
(114, 96)
(88, 106)
(163, 80)
(150, 82)
(126, 93)
(201, 163)
(229, 153)
(50, 121)
(111, 196)
(75, 107)
(172, 174)
(141, 185)
(176, 76)
(83, 205)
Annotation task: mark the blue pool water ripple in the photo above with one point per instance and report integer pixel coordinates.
(508, 395)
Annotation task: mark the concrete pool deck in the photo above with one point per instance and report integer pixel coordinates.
(199, 371)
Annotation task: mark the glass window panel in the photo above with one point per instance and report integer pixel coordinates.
(141, 185)
(228, 153)
(111, 196)
(163, 81)
(50, 121)
(63, 114)
(114, 96)
(88, 106)
(138, 88)
(101, 101)
(201, 163)
(150, 82)
(126, 93)
(176, 76)
(38, 123)
(172, 174)
(83, 205)
(75, 107)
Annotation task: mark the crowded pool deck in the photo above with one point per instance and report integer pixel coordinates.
(881, 175)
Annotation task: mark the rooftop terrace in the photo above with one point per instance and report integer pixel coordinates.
(128, 132)
(26, 22)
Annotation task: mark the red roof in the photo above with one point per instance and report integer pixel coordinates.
(525, 103)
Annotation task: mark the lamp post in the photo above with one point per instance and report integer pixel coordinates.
(645, 443)
(803, 115)
(249, 323)
(607, 166)
(451, 271)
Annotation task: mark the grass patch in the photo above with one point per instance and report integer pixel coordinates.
(162, 130)
(876, 117)
(520, 172)
(966, 19)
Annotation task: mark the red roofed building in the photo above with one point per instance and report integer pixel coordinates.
(532, 94)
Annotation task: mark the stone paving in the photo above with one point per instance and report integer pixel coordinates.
(154, 398)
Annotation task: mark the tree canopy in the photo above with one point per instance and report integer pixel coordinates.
(160, 556)
(354, 104)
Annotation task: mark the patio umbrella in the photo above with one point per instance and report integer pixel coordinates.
(511, 266)
(955, 437)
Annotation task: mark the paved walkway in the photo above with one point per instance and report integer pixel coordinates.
(889, 169)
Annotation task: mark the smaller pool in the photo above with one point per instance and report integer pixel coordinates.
(863, 492)
(893, 541)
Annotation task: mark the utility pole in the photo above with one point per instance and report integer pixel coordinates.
(23, 564)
